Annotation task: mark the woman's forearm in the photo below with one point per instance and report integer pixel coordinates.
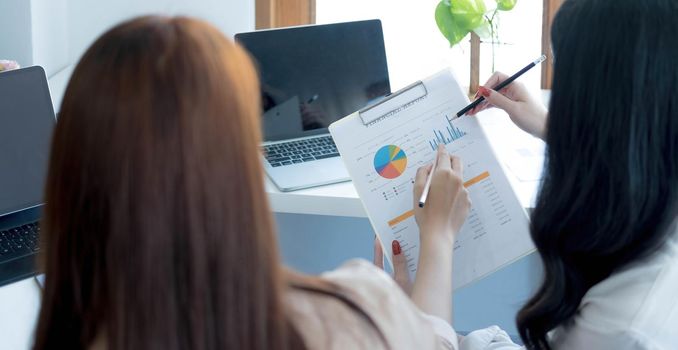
(432, 289)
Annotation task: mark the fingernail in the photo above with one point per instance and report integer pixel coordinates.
(395, 245)
(484, 91)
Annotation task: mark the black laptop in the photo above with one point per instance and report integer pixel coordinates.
(26, 124)
(310, 77)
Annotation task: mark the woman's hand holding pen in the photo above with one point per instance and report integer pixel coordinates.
(439, 221)
(448, 201)
(525, 110)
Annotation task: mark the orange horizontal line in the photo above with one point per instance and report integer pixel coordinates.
(477, 179)
(404, 216)
(400, 218)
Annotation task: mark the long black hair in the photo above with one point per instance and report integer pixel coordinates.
(610, 189)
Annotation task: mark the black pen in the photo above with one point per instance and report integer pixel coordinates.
(502, 85)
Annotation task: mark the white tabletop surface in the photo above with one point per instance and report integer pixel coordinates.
(520, 154)
(19, 306)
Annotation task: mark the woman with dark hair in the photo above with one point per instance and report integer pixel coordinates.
(157, 229)
(605, 219)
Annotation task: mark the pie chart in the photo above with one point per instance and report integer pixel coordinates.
(390, 161)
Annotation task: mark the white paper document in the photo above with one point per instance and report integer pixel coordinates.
(383, 151)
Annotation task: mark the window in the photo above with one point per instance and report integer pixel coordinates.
(414, 46)
(520, 33)
(416, 49)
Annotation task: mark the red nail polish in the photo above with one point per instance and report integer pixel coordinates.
(484, 91)
(395, 245)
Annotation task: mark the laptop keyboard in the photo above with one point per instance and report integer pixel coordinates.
(294, 152)
(19, 241)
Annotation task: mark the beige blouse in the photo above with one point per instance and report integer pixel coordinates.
(326, 322)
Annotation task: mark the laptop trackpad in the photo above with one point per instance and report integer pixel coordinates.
(304, 175)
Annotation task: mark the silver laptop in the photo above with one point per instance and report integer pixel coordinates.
(310, 77)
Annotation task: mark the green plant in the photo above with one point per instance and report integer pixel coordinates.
(457, 18)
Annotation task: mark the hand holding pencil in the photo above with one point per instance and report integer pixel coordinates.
(444, 176)
(446, 203)
(504, 92)
(524, 109)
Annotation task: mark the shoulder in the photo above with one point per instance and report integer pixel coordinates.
(636, 304)
(381, 299)
(363, 278)
(392, 310)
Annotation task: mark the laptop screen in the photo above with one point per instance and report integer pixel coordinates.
(26, 123)
(314, 75)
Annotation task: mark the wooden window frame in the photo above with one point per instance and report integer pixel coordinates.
(474, 82)
(283, 13)
(550, 9)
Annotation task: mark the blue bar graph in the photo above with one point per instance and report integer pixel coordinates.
(451, 134)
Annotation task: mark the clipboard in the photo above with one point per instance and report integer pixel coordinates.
(393, 103)
(384, 144)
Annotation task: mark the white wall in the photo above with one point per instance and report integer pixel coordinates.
(55, 33)
(15, 31)
(88, 19)
(49, 34)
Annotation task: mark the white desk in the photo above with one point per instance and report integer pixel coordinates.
(20, 302)
(19, 307)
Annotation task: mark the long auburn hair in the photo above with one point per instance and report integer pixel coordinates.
(610, 190)
(157, 228)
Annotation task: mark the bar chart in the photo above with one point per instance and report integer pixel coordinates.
(451, 134)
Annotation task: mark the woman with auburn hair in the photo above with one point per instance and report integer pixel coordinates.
(157, 228)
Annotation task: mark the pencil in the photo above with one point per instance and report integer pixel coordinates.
(427, 186)
(503, 84)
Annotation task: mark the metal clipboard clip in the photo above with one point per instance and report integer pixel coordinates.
(393, 103)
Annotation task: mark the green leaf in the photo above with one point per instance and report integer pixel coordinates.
(484, 31)
(468, 14)
(506, 5)
(447, 25)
